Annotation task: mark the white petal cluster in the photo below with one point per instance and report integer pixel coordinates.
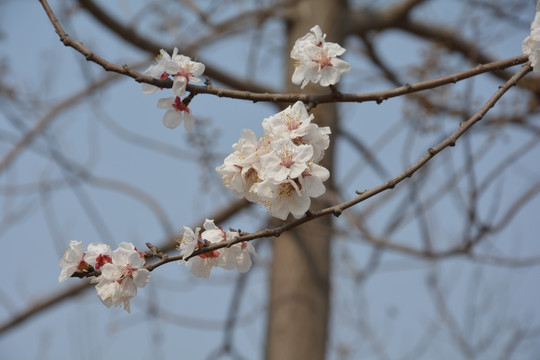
(122, 270)
(176, 114)
(76, 260)
(230, 258)
(120, 278)
(531, 44)
(316, 60)
(182, 70)
(280, 170)
(72, 260)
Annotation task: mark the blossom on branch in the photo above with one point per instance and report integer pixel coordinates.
(295, 123)
(76, 260)
(182, 70)
(120, 279)
(280, 170)
(72, 260)
(236, 256)
(178, 113)
(531, 44)
(240, 170)
(316, 60)
(120, 272)
(98, 254)
(187, 243)
(292, 195)
(286, 160)
(157, 71)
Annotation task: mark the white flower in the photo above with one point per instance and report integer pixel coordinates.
(286, 160)
(293, 122)
(318, 138)
(293, 195)
(120, 279)
(180, 67)
(280, 170)
(240, 255)
(239, 169)
(312, 180)
(188, 243)
(157, 70)
(283, 198)
(234, 257)
(184, 70)
(72, 260)
(214, 235)
(316, 60)
(98, 254)
(531, 44)
(202, 265)
(313, 38)
(177, 113)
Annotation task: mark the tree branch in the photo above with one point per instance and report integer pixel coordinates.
(336, 210)
(152, 47)
(379, 97)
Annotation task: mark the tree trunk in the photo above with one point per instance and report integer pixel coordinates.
(300, 277)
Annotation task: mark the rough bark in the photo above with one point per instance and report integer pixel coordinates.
(300, 275)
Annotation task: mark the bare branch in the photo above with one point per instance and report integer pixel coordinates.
(379, 97)
(338, 209)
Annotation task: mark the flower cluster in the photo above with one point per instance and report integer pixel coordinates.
(531, 44)
(316, 60)
(230, 258)
(122, 270)
(182, 70)
(280, 170)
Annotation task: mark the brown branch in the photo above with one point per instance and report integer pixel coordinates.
(332, 97)
(281, 98)
(43, 305)
(336, 210)
(450, 39)
(364, 20)
(56, 299)
(143, 43)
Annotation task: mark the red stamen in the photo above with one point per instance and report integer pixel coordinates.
(210, 254)
(178, 105)
(102, 260)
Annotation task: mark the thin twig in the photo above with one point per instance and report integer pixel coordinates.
(332, 96)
